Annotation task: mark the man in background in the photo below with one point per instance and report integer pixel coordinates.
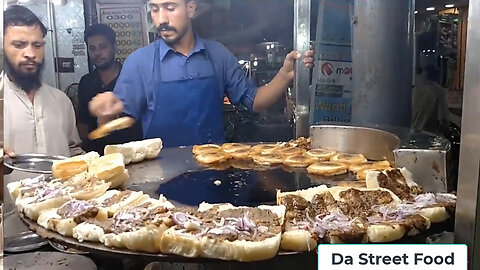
(100, 40)
(37, 117)
(430, 106)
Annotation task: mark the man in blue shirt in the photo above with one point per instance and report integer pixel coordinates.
(176, 85)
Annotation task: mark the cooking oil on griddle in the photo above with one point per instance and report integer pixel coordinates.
(240, 186)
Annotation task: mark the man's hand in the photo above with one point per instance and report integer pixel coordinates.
(288, 68)
(8, 152)
(271, 92)
(105, 106)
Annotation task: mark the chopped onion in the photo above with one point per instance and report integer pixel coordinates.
(446, 197)
(192, 225)
(227, 229)
(336, 221)
(222, 221)
(181, 218)
(78, 206)
(425, 200)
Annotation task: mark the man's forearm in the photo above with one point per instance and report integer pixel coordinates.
(270, 93)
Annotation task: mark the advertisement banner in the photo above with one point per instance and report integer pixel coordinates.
(332, 109)
(335, 73)
(333, 80)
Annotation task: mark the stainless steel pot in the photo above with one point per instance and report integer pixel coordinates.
(422, 153)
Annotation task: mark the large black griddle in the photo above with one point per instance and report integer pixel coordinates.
(177, 176)
(242, 184)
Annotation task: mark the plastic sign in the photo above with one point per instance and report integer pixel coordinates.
(393, 257)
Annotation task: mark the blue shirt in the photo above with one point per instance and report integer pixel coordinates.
(136, 85)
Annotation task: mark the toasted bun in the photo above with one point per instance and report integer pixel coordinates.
(126, 151)
(117, 124)
(210, 158)
(234, 147)
(349, 158)
(383, 233)
(435, 214)
(154, 146)
(110, 168)
(242, 154)
(88, 232)
(205, 149)
(264, 149)
(146, 239)
(240, 250)
(139, 151)
(298, 161)
(321, 154)
(176, 243)
(297, 240)
(327, 168)
(361, 169)
(268, 159)
(290, 151)
(70, 167)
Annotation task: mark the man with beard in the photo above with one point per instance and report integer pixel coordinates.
(100, 40)
(37, 117)
(176, 85)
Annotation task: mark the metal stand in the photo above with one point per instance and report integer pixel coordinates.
(467, 214)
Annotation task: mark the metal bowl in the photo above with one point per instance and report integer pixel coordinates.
(375, 144)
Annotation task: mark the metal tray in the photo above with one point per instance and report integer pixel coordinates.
(66, 249)
(375, 144)
(25, 241)
(48, 261)
(34, 163)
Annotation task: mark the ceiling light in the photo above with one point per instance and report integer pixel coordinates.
(415, 12)
(430, 8)
(449, 5)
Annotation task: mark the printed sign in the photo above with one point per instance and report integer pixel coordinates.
(393, 257)
(331, 109)
(333, 80)
(129, 25)
(337, 73)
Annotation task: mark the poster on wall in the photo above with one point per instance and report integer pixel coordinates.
(332, 102)
(130, 25)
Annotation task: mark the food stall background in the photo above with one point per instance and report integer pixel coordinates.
(259, 37)
(252, 30)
